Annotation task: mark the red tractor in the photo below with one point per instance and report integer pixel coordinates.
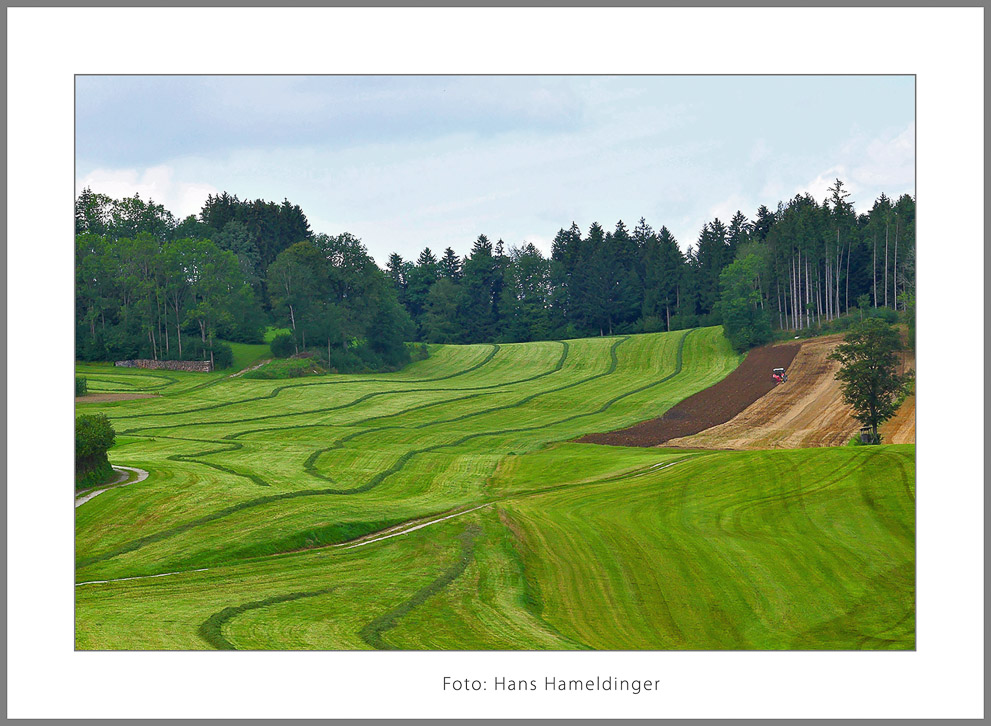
(779, 375)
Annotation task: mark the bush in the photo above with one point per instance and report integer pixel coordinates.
(80, 385)
(653, 324)
(94, 437)
(288, 368)
(282, 345)
(418, 351)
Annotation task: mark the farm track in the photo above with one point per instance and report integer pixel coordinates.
(378, 478)
(111, 397)
(87, 494)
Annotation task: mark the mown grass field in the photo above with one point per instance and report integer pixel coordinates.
(254, 483)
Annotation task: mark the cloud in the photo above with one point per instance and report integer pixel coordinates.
(868, 166)
(887, 161)
(157, 183)
(725, 209)
(819, 187)
(759, 152)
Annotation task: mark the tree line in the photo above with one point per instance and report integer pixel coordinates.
(797, 268)
(151, 285)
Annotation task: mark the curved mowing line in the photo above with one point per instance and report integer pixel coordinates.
(107, 378)
(234, 447)
(372, 633)
(276, 391)
(355, 402)
(375, 480)
(310, 464)
(211, 629)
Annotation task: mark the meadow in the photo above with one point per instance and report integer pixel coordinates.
(288, 513)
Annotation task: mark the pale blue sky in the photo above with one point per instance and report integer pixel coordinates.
(405, 162)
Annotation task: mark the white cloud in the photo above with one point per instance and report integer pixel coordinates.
(759, 152)
(819, 187)
(888, 161)
(869, 166)
(541, 242)
(725, 209)
(182, 198)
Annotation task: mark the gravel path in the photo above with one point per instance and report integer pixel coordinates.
(125, 472)
(348, 546)
(252, 368)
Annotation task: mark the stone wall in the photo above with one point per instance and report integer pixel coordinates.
(198, 366)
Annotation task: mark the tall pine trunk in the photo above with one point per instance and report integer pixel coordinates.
(894, 286)
(846, 295)
(885, 265)
(874, 270)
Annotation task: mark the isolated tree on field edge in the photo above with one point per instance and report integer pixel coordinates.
(868, 372)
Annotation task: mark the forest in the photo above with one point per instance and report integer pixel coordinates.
(151, 285)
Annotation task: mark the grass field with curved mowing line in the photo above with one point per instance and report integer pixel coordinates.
(255, 482)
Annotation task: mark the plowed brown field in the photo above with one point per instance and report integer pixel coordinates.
(806, 411)
(746, 411)
(900, 429)
(715, 405)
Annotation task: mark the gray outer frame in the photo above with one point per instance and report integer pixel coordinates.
(437, 3)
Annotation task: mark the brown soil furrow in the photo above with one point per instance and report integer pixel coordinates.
(901, 428)
(747, 411)
(806, 411)
(108, 397)
(715, 405)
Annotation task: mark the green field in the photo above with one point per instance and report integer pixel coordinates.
(254, 482)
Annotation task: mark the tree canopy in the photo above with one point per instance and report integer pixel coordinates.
(150, 285)
(868, 372)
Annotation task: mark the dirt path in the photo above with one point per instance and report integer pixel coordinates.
(255, 367)
(405, 529)
(109, 397)
(139, 577)
(715, 405)
(125, 472)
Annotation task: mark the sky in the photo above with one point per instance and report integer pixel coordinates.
(407, 162)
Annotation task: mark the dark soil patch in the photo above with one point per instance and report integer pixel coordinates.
(109, 397)
(711, 407)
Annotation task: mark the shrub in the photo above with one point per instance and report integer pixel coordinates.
(653, 324)
(288, 368)
(683, 321)
(94, 437)
(282, 345)
(418, 351)
(80, 385)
